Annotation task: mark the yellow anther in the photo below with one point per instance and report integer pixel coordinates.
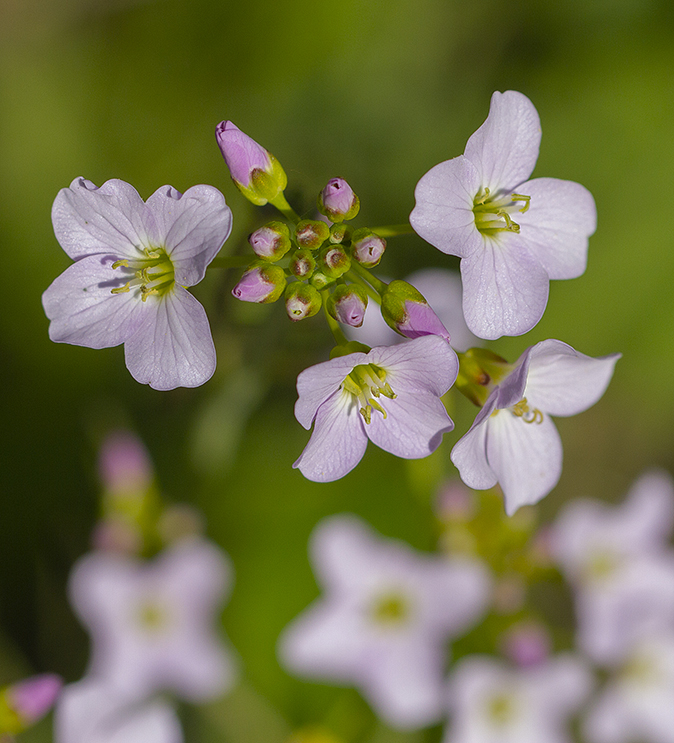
(122, 262)
(523, 411)
(366, 383)
(510, 226)
(521, 197)
(121, 289)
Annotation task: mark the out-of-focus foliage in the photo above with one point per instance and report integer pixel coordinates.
(376, 92)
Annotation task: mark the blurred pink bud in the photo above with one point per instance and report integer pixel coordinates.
(368, 248)
(337, 201)
(242, 154)
(124, 464)
(117, 535)
(455, 502)
(261, 284)
(527, 644)
(33, 697)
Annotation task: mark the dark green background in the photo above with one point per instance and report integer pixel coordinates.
(377, 92)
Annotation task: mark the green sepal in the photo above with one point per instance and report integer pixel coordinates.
(347, 348)
(480, 371)
(302, 264)
(311, 233)
(334, 261)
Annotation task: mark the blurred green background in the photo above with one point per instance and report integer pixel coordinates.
(374, 91)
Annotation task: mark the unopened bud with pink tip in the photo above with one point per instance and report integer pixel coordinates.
(347, 304)
(124, 465)
(255, 171)
(271, 242)
(24, 703)
(261, 283)
(527, 644)
(407, 312)
(337, 201)
(367, 247)
(302, 301)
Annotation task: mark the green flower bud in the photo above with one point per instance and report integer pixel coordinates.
(334, 261)
(480, 371)
(302, 300)
(302, 264)
(311, 233)
(321, 280)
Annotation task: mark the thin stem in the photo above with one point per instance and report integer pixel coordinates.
(391, 230)
(284, 207)
(361, 282)
(230, 261)
(340, 338)
(378, 284)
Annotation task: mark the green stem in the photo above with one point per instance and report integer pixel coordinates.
(361, 282)
(378, 284)
(230, 261)
(340, 338)
(284, 207)
(391, 230)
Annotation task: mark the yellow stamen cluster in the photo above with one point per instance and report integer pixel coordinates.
(153, 273)
(492, 213)
(390, 608)
(523, 410)
(366, 383)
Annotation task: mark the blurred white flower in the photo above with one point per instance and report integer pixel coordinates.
(384, 620)
(493, 703)
(92, 712)
(618, 561)
(152, 623)
(638, 704)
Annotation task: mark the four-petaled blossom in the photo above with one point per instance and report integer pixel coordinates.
(513, 441)
(133, 260)
(620, 563)
(152, 623)
(93, 712)
(512, 234)
(384, 620)
(492, 703)
(390, 395)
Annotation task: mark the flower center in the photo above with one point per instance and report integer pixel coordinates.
(366, 383)
(152, 617)
(501, 709)
(390, 608)
(492, 213)
(153, 273)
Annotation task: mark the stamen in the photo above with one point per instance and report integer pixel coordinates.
(366, 383)
(523, 411)
(123, 262)
(492, 213)
(522, 197)
(121, 289)
(154, 273)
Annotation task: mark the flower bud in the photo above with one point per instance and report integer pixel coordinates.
(22, 704)
(367, 247)
(271, 242)
(339, 232)
(260, 283)
(302, 300)
(347, 304)
(334, 261)
(256, 172)
(321, 280)
(527, 644)
(311, 233)
(407, 312)
(124, 465)
(480, 371)
(302, 264)
(337, 201)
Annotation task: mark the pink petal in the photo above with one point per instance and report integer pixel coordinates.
(469, 454)
(504, 149)
(173, 347)
(556, 227)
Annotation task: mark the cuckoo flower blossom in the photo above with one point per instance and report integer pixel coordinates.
(390, 395)
(133, 260)
(512, 234)
(513, 441)
(384, 620)
(152, 624)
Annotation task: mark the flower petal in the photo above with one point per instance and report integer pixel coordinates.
(505, 289)
(413, 426)
(82, 309)
(317, 383)
(443, 214)
(526, 457)
(556, 227)
(173, 347)
(504, 149)
(563, 381)
(427, 363)
(337, 443)
(469, 454)
(110, 219)
(191, 226)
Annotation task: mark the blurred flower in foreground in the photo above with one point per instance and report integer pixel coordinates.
(442, 290)
(25, 702)
(490, 702)
(638, 703)
(152, 624)
(512, 236)
(390, 396)
(92, 712)
(513, 440)
(385, 619)
(133, 260)
(618, 560)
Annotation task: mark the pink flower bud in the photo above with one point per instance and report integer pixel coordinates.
(261, 284)
(527, 644)
(407, 312)
(368, 248)
(337, 201)
(256, 172)
(347, 305)
(33, 697)
(124, 465)
(271, 242)
(302, 301)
